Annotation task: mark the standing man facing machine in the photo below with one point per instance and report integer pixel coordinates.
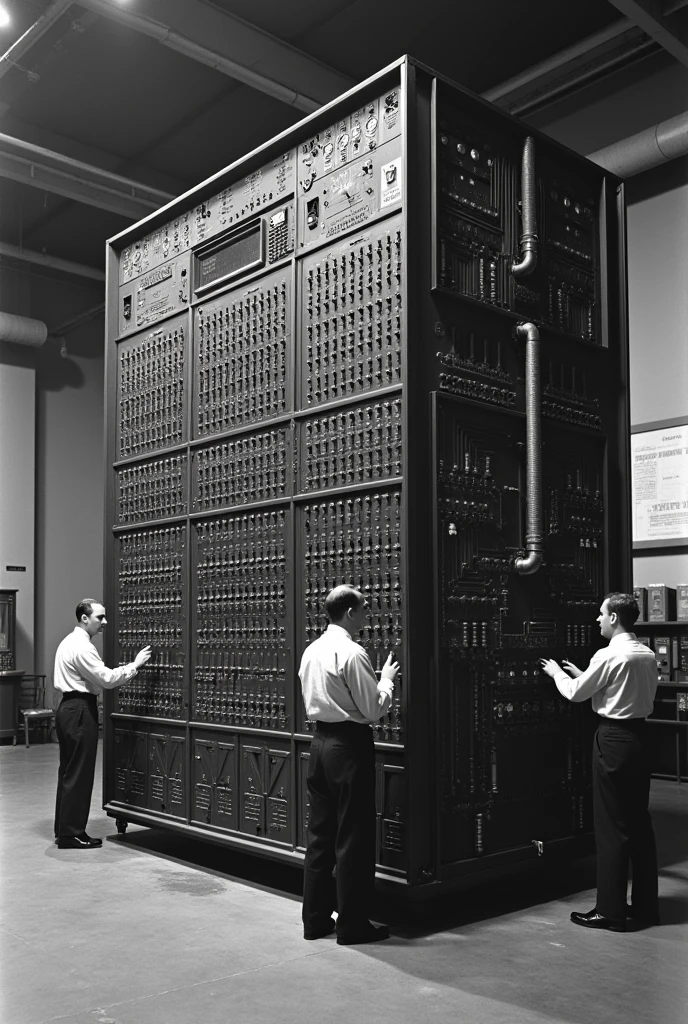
(80, 673)
(343, 697)
(621, 680)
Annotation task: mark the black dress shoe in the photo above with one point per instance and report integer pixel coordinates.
(82, 842)
(322, 933)
(644, 916)
(594, 920)
(369, 933)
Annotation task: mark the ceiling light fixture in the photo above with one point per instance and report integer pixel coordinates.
(5, 19)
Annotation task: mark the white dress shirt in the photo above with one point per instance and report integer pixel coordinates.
(621, 679)
(339, 682)
(79, 667)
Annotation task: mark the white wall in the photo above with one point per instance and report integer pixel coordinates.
(17, 483)
(658, 302)
(70, 503)
(52, 423)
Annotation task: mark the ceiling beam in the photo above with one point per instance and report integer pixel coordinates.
(665, 29)
(53, 172)
(571, 68)
(54, 262)
(13, 55)
(58, 52)
(234, 47)
(75, 149)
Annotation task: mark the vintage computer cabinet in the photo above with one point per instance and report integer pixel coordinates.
(387, 347)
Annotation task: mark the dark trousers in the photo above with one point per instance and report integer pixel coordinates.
(623, 828)
(76, 724)
(341, 828)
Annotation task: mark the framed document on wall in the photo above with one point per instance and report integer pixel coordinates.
(659, 481)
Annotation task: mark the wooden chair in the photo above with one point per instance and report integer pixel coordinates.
(32, 705)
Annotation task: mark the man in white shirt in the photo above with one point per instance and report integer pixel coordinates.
(343, 696)
(80, 674)
(621, 680)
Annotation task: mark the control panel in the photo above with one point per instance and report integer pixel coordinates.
(151, 390)
(154, 296)
(480, 225)
(351, 316)
(242, 341)
(383, 350)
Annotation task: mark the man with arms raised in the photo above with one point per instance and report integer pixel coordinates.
(621, 680)
(343, 697)
(80, 674)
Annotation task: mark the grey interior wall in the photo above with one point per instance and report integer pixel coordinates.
(657, 219)
(69, 509)
(68, 450)
(17, 482)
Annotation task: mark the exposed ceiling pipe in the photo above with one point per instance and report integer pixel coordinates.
(21, 330)
(649, 148)
(208, 54)
(22, 45)
(42, 168)
(54, 262)
(557, 60)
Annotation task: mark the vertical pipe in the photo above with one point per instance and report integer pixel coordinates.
(534, 533)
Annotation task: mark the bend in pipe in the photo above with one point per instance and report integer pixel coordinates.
(529, 237)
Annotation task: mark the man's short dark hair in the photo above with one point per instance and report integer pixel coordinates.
(85, 607)
(626, 608)
(339, 600)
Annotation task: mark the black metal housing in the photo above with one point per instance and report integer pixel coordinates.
(315, 374)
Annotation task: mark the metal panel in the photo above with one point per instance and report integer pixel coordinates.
(357, 411)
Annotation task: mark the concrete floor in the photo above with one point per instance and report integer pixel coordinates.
(156, 929)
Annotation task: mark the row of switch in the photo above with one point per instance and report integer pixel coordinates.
(152, 419)
(158, 357)
(242, 357)
(363, 443)
(151, 392)
(248, 469)
(476, 390)
(483, 358)
(352, 318)
(153, 490)
(258, 709)
(568, 414)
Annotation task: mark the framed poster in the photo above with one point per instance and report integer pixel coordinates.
(659, 483)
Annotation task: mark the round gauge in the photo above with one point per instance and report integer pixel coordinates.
(343, 141)
(356, 132)
(460, 148)
(371, 125)
(475, 155)
(327, 150)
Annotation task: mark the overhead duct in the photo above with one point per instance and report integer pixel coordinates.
(21, 330)
(649, 148)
